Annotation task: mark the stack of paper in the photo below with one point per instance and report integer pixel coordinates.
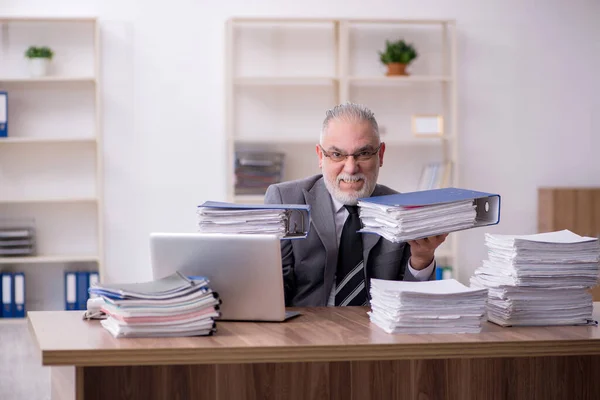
(173, 306)
(540, 279)
(408, 216)
(399, 224)
(215, 220)
(282, 220)
(444, 306)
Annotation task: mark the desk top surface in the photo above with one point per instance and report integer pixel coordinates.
(319, 334)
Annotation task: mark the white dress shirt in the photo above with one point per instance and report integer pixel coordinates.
(340, 213)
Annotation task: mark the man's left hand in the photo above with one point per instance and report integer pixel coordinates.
(423, 250)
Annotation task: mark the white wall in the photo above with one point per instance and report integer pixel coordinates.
(527, 89)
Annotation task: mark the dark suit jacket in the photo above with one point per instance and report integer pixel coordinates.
(309, 265)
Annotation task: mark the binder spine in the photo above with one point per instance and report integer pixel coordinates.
(3, 114)
(70, 291)
(7, 295)
(19, 295)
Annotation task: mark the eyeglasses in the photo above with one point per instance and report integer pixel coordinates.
(336, 156)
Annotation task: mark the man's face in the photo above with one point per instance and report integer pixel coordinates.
(350, 179)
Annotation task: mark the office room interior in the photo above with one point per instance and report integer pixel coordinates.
(137, 117)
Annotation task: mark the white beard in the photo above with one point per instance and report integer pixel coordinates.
(347, 198)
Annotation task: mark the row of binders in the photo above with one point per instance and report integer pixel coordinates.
(77, 285)
(173, 306)
(12, 293)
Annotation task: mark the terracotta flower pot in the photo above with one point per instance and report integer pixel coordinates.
(396, 69)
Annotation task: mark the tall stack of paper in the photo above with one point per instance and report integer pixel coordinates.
(408, 216)
(540, 279)
(173, 306)
(282, 220)
(445, 306)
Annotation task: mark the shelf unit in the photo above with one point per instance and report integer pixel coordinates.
(51, 164)
(283, 73)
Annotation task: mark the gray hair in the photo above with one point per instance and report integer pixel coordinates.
(350, 112)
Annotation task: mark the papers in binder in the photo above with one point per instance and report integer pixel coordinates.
(408, 216)
(540, 279)
(287, 221)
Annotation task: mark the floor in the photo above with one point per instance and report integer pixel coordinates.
(21, 373)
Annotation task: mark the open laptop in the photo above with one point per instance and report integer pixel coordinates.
(245, 269)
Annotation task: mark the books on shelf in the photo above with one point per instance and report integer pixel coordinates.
(435, 176)
(286, 221)
(540, 279)
(255, 171)
(444, 306)
(408, 216)
(173, 306)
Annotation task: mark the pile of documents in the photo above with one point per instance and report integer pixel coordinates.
(444, 306)
(540, 279)
(172, 306)
(272, 219)
(408, 216)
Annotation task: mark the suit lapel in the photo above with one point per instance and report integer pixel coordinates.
(370, 239)
(323, 222)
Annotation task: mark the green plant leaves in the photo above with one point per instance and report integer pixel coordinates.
(39, 52)
(398, 52)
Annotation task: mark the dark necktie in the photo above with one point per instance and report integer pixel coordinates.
(350, 281)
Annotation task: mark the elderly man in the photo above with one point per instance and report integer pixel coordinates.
(333, 265)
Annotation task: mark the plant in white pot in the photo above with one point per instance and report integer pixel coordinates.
(39, 60)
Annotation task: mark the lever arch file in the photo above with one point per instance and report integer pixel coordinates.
(288, 221)
(3, 114)
(408, 216)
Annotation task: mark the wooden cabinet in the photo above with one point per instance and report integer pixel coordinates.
(574, 208)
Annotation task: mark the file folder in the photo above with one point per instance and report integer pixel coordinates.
(83, 284)
(19, 295)
(488, 204)
(297, 224)
(3, 114)
(7, 295)
(70, 291)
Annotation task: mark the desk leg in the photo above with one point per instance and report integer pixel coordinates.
(545, 378)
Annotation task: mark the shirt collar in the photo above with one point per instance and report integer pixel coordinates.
(337, 206)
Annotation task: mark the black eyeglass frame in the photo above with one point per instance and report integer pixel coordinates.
(357, 156)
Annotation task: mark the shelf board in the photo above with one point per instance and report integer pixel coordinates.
(50, 200)
(387, 138)
(49, 259)
(25, 140)
(384, 80)
(7, 19)
(249, 198)
(53, 79)
(285, 81)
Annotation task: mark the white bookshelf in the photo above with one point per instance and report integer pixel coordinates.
(282, 74)
(51, 164)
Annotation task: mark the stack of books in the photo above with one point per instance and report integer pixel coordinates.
(541, 279)
(255, 171)
(445, 306)
(409, 216)
(283, 220)
(172, 306)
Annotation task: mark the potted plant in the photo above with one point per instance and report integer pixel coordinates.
(397, 56)
(39, 59)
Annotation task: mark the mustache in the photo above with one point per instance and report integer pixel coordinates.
(351, 178)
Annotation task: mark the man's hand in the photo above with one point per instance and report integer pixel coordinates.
(423, 250)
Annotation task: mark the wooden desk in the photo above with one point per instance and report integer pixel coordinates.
(327, 353)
